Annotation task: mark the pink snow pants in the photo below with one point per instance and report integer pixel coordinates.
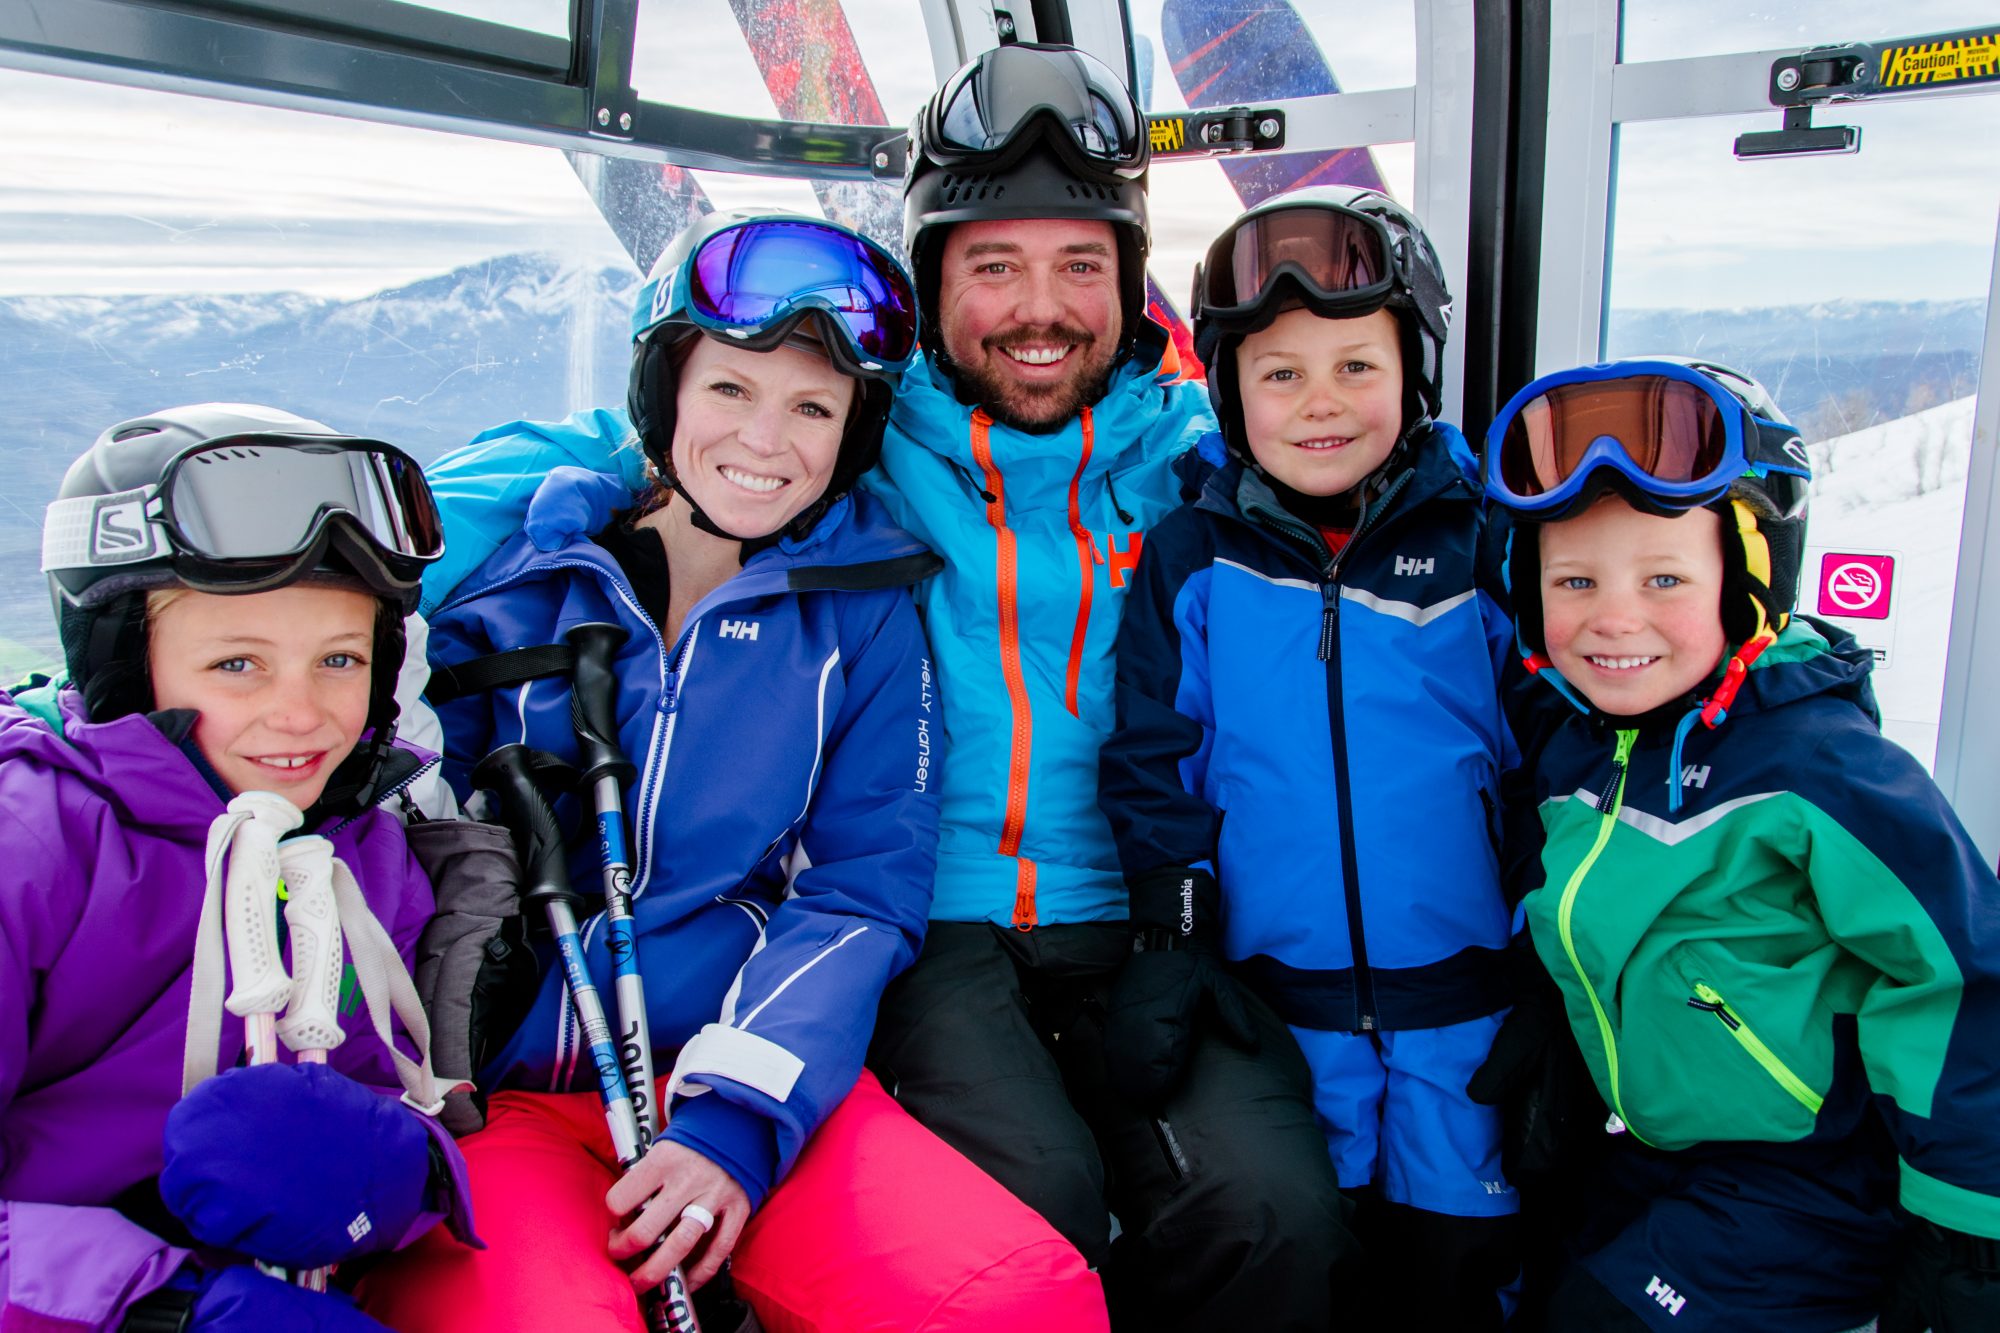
(879, 1226)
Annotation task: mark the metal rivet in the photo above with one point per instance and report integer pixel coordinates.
(604, 115)
(1788, 79)
(625, 121)
(882, 161)
(1861, 73)
(1267, 128)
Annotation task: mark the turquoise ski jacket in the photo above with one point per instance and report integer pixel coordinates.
(1040, 534)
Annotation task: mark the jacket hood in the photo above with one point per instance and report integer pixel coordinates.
(1134, 424)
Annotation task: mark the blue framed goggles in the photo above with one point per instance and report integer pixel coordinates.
(755, 282)
(1668, 437)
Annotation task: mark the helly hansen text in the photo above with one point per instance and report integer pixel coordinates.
(1670, 1300)
(1419, 565)
(739, 629)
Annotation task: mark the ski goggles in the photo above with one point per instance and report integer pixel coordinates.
(1343, 261)
(251, 512)
(988, 114)
(1668, 437)
(754, 282)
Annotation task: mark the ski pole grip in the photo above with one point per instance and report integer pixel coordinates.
(312, 1016)
(259, 983)
(509, 774)
(593, 701)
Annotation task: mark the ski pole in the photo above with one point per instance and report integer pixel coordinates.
(311, 1025)
(594, 716)
(508, 774)
(259, 984)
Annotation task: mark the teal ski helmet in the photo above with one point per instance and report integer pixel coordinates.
(758, 280)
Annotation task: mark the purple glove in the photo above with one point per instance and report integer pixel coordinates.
(295, 1165)
(243, 1300)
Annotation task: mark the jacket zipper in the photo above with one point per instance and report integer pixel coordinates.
(1086, 556)
(1706, 997)
(1365, 1015)
(1608, 804)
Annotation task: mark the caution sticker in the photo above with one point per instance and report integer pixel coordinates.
(1169, 133)
(1956, 60)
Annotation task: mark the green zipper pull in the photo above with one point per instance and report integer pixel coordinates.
(1708, 998)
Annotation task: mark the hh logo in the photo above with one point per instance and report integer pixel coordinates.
(1424, 565)
(1693, 776)
(1123, 562)
(739, 629)
(1670, 1300)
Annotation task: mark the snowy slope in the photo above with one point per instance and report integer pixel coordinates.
(1898, 489)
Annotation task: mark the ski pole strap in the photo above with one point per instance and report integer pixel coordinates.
(387, 988)
(496, 671)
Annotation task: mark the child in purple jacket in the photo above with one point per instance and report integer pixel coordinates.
(231, 584)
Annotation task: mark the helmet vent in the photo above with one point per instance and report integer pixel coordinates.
(1090, 191)
(970, 189)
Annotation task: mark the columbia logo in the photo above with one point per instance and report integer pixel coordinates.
(739, 629)
(1693, 776)
(359, 1227)
(1425, 565)
(1670, 1300)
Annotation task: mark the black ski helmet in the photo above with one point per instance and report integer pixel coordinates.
(106, 544)
(1415, 292)
(664, 319)
(1028, 131)
(1763, 525)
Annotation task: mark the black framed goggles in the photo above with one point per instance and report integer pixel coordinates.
(1343, 262)
(250, 512)
(991, 112)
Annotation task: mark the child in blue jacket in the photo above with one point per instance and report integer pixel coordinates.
(1304, 776)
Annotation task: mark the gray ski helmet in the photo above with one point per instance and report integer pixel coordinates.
(100, 601)
(663, 321)
(1416, 294)
(1026, 132)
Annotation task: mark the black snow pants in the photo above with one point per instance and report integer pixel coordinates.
(1228, 1210)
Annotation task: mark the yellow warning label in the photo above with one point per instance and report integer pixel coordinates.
(1169, 134)
(1942, 62)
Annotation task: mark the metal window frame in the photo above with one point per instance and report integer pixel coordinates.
(259, 60)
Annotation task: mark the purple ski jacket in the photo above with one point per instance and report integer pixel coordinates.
(102, 832)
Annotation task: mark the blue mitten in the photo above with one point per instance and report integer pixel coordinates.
(295, 1165)
(243, 1300)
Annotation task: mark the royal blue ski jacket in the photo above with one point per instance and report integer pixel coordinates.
(1040, 534)
(784, 811)
(1326, 733)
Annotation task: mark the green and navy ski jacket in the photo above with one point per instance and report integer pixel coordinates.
(1809, 933)
(1040, 534)
(1326, 733)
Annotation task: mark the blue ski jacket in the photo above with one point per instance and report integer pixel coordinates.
(784, 811)
(1325, 733)
(1040, 534)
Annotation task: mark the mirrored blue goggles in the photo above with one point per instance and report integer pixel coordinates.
(1667, 437)
(755, 282)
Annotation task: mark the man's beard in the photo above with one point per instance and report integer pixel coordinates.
(1038, 408)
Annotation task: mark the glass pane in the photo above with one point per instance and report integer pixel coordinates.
(1855, 288)
(410, 285)
(547, 16)
(863, 63)
(1673, 29)
(1205, 53)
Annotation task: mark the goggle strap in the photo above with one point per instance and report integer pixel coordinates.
(103, 531)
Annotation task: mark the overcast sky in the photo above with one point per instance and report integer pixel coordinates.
(106, 189)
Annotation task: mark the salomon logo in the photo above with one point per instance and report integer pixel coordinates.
(118, 532)
(1670, 1300)
(1405, 565)
(739, 629)
(1692, 776)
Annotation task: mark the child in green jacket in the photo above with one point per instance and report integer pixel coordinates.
(1777, 948)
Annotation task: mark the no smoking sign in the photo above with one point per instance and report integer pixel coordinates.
(1856, 586)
